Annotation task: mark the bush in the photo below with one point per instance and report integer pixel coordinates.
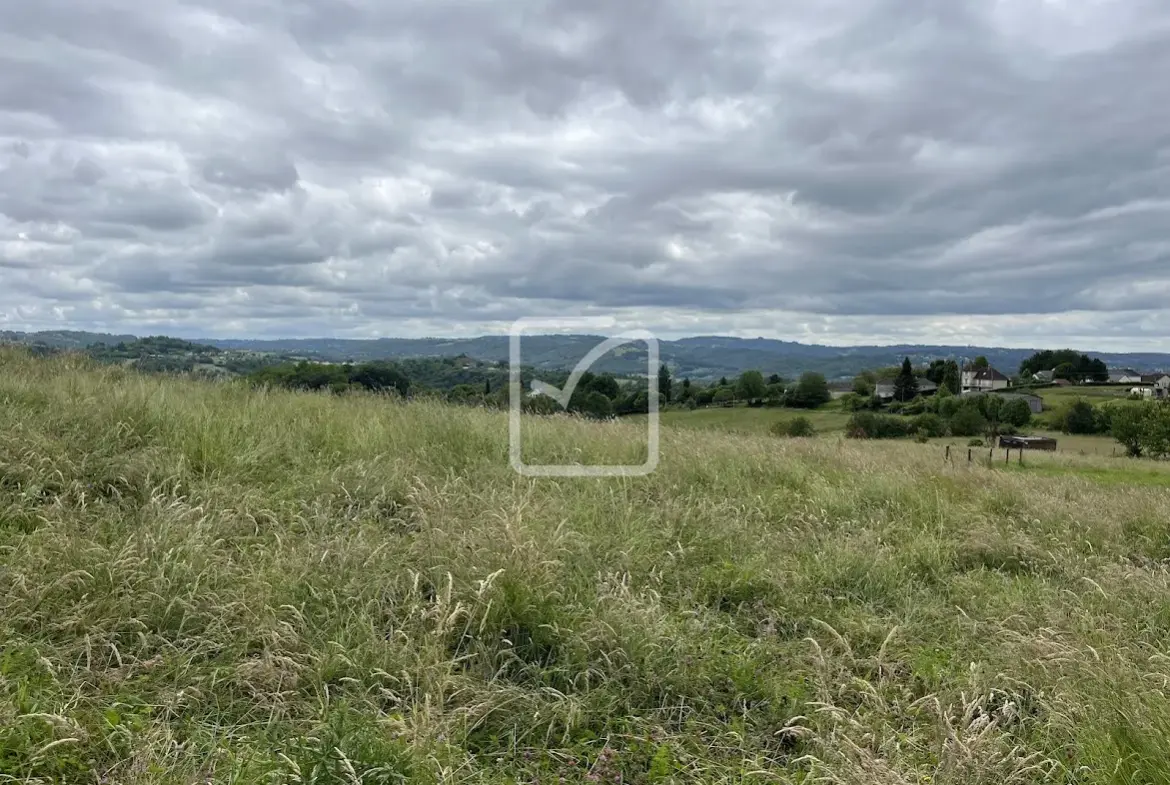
(917, 406)
(810, 392)
(852, 402)
(948, 407)
(798, 427)
(1016, 412)
(868, 425)
(930, 425)
(1079, 418)
(975, 443)
(967, 421)
(1142, 428)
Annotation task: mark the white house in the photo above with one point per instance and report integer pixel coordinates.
(984, 380)
(1125, 376)
(1162, 385)
(1044, 376)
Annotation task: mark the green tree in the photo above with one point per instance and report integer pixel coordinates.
(750, 386)
(905, 385)
(811, 391)
(664, 383)
(1142, 428)
(1017, 413)
(723, 395)
(1079, 418)
(930, 425)
(596, 406)
(1073, 364)
(775, 379)
(1128, 427)
(952, 378)
(981, 362)
(862, 386)
(967, 421)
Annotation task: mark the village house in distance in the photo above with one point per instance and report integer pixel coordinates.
(983, 380)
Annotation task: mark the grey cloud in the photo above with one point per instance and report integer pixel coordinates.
(311, 165)
(257, 172)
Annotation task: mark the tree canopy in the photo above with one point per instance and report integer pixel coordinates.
(1068, 364)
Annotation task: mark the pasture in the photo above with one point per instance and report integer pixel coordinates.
(201, 583)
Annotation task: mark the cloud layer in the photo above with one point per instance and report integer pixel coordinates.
(847, 170)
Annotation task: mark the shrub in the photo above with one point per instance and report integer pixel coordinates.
(1017, 412)
(948, 407)
(930, 425)
(1142, 428)
(1079, 418)
(917, 406)
(801, 426)
(975, 443)
(723, 395)
(810, 392)
(852, 402)
(797, 427)
(967, 421)
(868, 425)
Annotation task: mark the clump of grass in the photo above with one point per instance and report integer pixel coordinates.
(207, 583)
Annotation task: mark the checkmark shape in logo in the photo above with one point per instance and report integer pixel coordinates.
(564, 395)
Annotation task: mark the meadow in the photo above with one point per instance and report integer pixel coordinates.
(202, 583)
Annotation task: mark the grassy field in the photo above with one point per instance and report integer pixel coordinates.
(742, 419)
(1057, 396)
(831, 421)
(203, 584)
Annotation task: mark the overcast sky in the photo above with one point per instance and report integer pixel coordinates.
(841, 171)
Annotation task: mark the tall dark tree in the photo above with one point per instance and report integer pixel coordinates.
(664, 383)
(981, 362)
(952, 378)
(906, 384)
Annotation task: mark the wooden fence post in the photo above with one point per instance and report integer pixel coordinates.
(968, 455)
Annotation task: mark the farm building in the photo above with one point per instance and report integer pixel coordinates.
(1125, 376)
(885, 390)
(1028, 443)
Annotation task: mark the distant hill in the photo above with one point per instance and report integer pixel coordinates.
(700, 357)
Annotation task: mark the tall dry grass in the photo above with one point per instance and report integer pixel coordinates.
(203, 583)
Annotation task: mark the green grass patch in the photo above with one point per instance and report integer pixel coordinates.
(200, 582)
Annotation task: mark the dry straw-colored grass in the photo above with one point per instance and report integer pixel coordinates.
(202, 583)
